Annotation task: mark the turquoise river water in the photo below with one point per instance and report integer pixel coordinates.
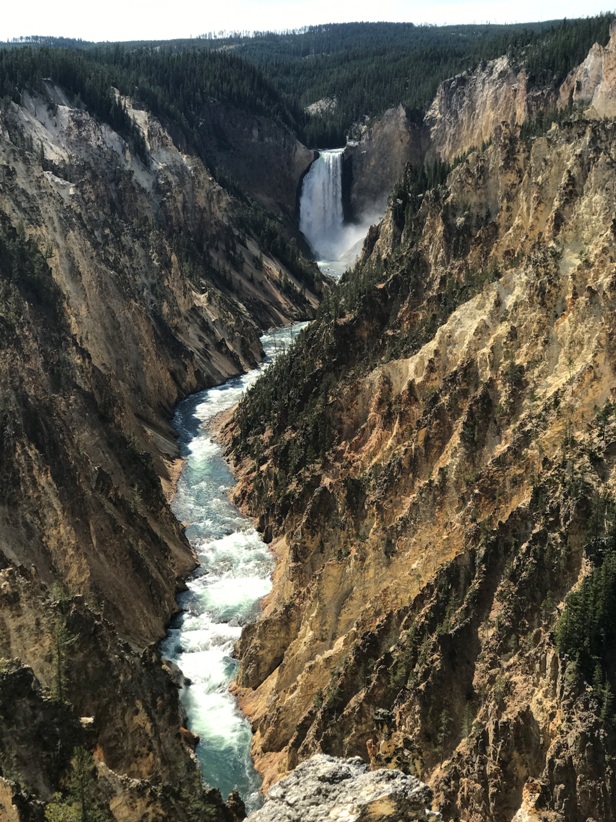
(224, 592)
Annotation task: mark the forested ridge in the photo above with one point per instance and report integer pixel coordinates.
(369, 67)
(174, 86)
(365, 67)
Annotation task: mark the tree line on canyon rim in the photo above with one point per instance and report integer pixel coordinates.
(176, 83)
(365, 68)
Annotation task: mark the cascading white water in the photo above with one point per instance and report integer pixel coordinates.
(321, 218)
(334, 243)
(234, 573)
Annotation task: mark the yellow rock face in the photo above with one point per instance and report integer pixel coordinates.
(468, 108)
(593, 84)
(424, 558)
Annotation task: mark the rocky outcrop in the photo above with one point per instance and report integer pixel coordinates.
(428, 486)
(15, 807)
(470, 106)
(592, 86)
(345, 790)
(374, 165)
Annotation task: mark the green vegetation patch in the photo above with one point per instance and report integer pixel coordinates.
(365, 67)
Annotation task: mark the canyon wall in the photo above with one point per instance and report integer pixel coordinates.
(592, 85)
(466, 111)
(429, 486)
(463, 115)
(377, 161)
(467, 108)
(426, 470)
(260, 156)
(126, 282)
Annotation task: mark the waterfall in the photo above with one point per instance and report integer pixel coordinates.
(321, 219)
(334, 243)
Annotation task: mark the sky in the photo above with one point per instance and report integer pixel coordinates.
(167, 19)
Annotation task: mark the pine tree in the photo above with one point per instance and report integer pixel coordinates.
(81, 801)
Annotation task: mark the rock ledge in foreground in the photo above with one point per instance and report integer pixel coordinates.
(345, 790)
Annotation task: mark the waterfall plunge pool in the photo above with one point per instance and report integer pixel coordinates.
(224, 591)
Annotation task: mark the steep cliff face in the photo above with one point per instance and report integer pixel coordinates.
(593, 84)
(125, 283)
(263, 158)
(464, 114)
(377, 161)
(148, 290)
(468, 108)
(430, 484)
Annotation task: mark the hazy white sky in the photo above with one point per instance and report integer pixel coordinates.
(165, 19)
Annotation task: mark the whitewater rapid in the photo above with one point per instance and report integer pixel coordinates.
(234, 574)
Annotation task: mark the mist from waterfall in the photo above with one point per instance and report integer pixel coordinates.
(334, 243)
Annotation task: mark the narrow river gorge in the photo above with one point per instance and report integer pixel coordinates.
(224, 592)
(235, 564)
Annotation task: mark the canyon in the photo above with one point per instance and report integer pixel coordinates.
(120, 295)
(432, 465)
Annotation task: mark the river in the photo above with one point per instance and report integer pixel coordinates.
(224, 592)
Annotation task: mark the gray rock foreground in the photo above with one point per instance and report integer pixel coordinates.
(327, 789)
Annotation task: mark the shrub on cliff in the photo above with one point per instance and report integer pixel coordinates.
(81, 802)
